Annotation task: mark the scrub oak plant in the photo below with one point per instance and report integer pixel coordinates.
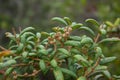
(57, 55)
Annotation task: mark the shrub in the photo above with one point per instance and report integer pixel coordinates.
(57, 55)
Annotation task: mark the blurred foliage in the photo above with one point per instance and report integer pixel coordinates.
(37, 55)
(37, 13)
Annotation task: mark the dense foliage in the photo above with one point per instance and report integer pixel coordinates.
(58, 55)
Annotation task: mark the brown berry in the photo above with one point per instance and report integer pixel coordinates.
(59, 38)
(50, 38)
(52, 42)
(67, 33)
(58, 33)
(69, 29)
(14, 73)
(65, 29)
(64, 35)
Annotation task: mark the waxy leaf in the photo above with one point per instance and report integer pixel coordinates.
(93, 21)
(72, 43)
(76, 25)
(82, 78)
(107, 74)
(26, 29)
(68, 20)
(59, 20)
(58, 74)
(86, 40)
(42, 65)
(24, 54)
(53, 63)
(80, 58)
(9, 70)
(87, 29)
(64, 51)
(69, 72)
(38, 35)
(76, 38)
(107, 60)
(8, 63)
(20, 47)
(98, 52)
(109, 40)
(109, 23)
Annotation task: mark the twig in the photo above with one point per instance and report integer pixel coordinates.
(97, 38)
(29, 75)
(2, 48)
(93, 68)
(22, 64)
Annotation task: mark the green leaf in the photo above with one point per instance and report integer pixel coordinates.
(103, 31)
(107, 60)
(38, 35)
(109, 23)
(117, 22)
(27, 34)
(93, 21)
(52, 54)
(99, 67)
(76, 25)
(82, 78)
(98, 52)
(58, 74)
(72, 43)
(9, 70)
(117, 77)
(8, 63)
(107, 74)
(76, 51)
(29, 47)
(109, 40)
(69, 72)
(64, 51)
(42, 65)
(76, 38)
(63, 56)
(59, 20)
(13, 47)
(26, 29)
(23, 39)
(87, 29)
(20, 47)
(45, 34)
(98, 76)
(30, 38)
(68, 20)
(80, 58)
(10, 35)
(86, 40)
(40, 47)
(31, 43)
(43, 51)
(24, 54)
(53, 63)
(32, 54)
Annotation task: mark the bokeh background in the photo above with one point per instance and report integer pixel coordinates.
(38, 13)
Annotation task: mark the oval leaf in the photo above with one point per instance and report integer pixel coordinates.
(107, 60)
(93, 21)
(87, 29)
(59, 20)
(69, 72)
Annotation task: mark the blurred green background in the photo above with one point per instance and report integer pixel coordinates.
(38, 13)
